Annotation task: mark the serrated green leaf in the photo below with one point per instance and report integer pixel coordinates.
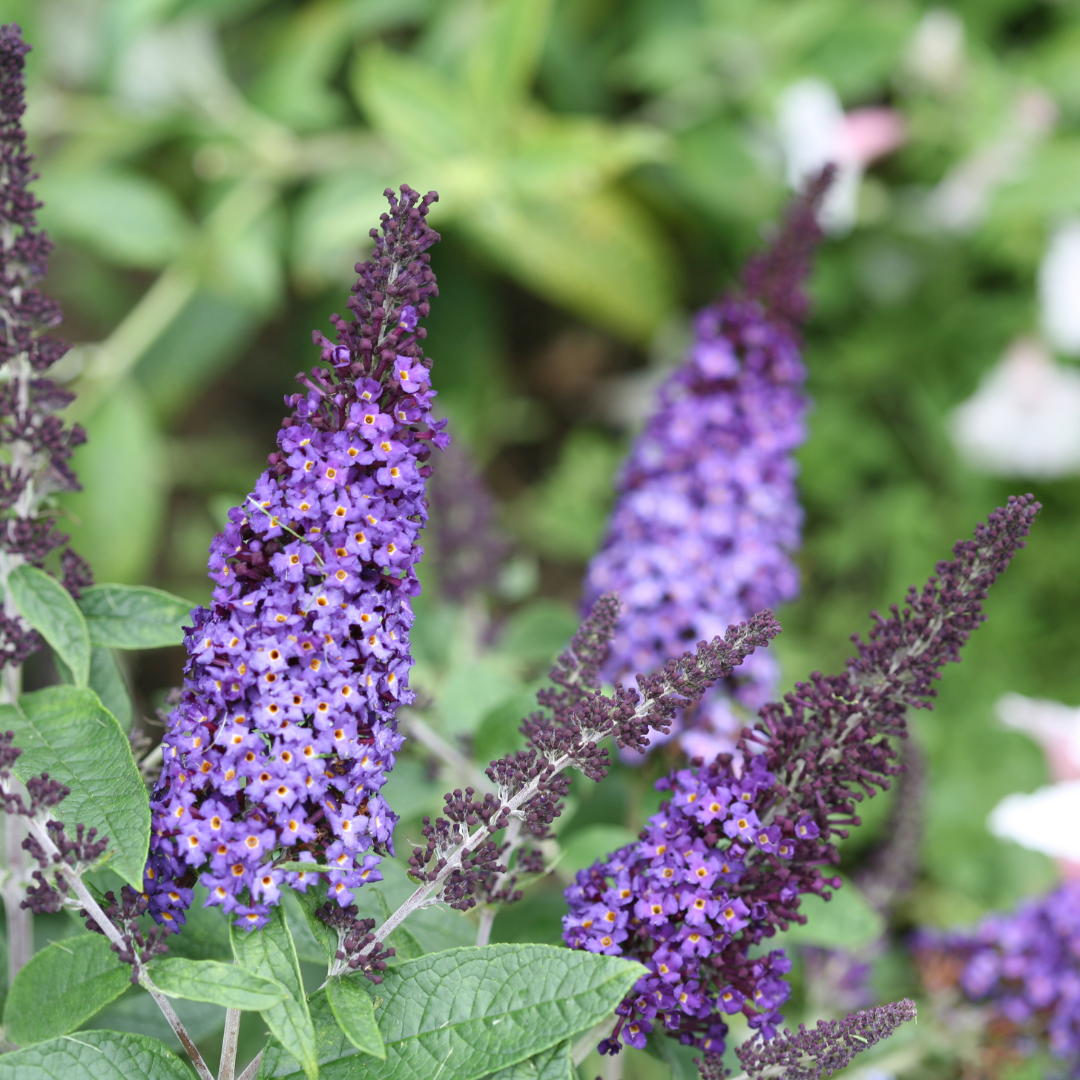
(474, 1011)
(50, 609)
(95, 1055)
(553, 1064)
(270, 953)
(355, 1013)
(134, 616)
(226, 985)
(107, 681)
(62, 986)
(68, 733)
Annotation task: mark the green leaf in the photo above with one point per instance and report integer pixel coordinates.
(125, 216)
(503, 62)
(226, 985)
(587, 845)
(49, 608)
(355, 1013)
(107, 681)
(307, 902)
(114, 521)
(846, 921)
(475, 1011)
(553, 1064)
(95, 1055)
(134, 616)
(61, 987)
(68, 733)
(271, 954)
(539, 631)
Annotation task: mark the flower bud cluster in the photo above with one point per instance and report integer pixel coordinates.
(138, 949)
(707, 515)
(822, 1050)
(46, 895)
(461, 857)
(723, 864)
(1024, 966)
(355, 936)
(35, 445)
(285, 730)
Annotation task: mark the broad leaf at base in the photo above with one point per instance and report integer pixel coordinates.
(95, 1055)
(62, 986)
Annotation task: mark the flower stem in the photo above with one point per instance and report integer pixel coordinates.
(227, 1068)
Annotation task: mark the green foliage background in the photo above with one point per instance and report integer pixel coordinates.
(210, 170)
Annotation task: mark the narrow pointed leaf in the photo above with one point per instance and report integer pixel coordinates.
(95, 1055)
(62, 986)
(134, 617)
(355, 1013)
(226, 985)
(271, 954)
(68, 733)
(49, 608)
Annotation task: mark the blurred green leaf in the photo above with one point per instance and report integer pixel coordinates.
(564, 515)
(470, 690)
(538, 631)
(114, 520)
(585, 846)
(846, 921)
(127, 217)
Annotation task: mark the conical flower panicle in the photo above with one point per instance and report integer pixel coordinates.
(286, 729)
(707, 515)
(722, 865)
(36, 446)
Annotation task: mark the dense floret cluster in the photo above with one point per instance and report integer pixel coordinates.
(677, 892)
(723, 864)
(286, 729)
(35, 445)
(707, 515)
(1024, 966)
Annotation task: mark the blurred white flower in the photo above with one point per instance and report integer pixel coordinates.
(1059, 288)
(1024, 419)
(935, 52)
(1055, 727)
(1046, 820)
(814, 130)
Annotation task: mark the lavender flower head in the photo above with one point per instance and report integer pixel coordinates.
(722, 865)
(1024, 965)
(286, 729)
(36, 444)
(707, 515)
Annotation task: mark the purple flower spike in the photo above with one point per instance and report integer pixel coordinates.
(736, 879)
(1023, 966)
(37, 447)
(707, 514)
(286, 728)
(822, 1050)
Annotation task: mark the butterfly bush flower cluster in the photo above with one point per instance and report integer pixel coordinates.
(285, 731)
(722, 865)
(37, 445)
(707, 515)
(1024, 966)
